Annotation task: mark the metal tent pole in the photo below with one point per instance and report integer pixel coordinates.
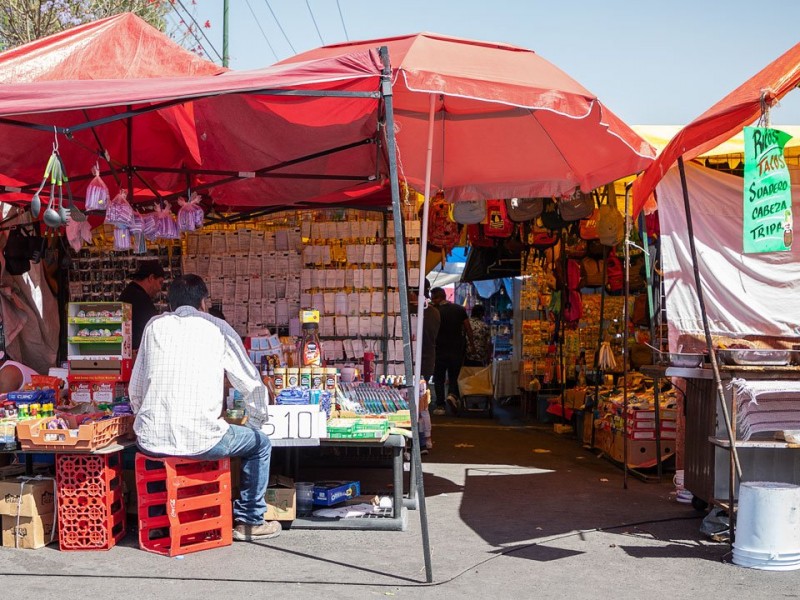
(626, 252)
(391, 150)
(734, 454)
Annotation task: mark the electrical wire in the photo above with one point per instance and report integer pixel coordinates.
(190, 31)
(258, 22)
(341, 17)
(274, 16)
(372, 584)
(197, 25)
(311, 12)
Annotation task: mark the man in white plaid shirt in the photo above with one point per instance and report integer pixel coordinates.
(176, 392)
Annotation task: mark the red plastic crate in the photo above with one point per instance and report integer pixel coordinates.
(91, 512)
(184, 504)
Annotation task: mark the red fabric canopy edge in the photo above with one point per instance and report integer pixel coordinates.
(722, 121)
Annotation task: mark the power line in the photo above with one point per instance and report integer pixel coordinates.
(189, 31)
(197, 25)
(347, 37)
(274, 16)
(311, 12)
(252, 12)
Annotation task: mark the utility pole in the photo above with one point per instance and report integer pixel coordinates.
(225, 55)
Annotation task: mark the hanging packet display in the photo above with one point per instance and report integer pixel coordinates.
(119, 211)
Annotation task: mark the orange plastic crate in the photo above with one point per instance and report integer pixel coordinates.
(184, 504)
(34, 435)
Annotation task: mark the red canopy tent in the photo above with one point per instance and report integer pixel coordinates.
(118, 47)
(741, 107)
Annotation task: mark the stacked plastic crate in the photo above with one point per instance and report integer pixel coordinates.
(184, 505)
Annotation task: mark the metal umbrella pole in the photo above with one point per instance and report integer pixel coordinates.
(402, 282)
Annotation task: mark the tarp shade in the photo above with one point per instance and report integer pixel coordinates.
(719, 123)
(745, 295)
(119, 47)
(508, 122)
(237, 130)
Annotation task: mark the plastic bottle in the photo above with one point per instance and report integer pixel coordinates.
(311, 353)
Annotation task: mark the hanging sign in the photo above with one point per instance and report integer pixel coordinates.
(767, 192)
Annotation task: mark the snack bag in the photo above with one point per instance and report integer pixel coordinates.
(122, 238)
(166, 227)
(190, 215)
(97, 193)
(119, 212)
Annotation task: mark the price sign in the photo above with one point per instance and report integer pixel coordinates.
(295, 422)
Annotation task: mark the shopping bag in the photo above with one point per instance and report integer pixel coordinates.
(475, 381)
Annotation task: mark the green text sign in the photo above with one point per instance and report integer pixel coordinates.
(767, 191)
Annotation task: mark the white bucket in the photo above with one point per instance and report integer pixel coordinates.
(768, 526)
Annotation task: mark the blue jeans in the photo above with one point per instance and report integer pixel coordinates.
(255, 450)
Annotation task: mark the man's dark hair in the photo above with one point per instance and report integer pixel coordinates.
(187, 290)
(438, 292)
(478, 311)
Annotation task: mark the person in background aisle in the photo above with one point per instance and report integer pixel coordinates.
(481, 351)
(455, 336)
(13, 375)
(430, 330)
(176, 395)
(145, 286)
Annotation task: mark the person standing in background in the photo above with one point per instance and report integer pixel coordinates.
(144, 288)
(455, 336)
(481, 351)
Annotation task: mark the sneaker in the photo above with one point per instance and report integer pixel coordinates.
(452, 400)
(439, 411)
(245, 532)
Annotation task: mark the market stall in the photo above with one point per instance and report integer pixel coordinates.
(731, 319)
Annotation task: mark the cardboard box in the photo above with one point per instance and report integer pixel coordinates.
(328, 493)
(37, 497)
(29, 533)
(281, 500)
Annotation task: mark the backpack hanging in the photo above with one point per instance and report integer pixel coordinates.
(588, 226)
(576, 207)
(469, 212)
(476, 237)
(497, 224)
(615, 274)
(641, 311)
(550, 217)
(442, 232)
(524, 209)
(592, 271)
(574, 245)
(610, 222)
(573, 307)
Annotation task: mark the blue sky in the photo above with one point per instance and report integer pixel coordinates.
(661, 62)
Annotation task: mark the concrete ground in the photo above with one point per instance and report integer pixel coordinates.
(514, 511)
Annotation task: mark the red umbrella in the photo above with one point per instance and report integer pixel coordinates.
(506, 121)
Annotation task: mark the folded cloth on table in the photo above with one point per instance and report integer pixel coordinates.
(766, 405)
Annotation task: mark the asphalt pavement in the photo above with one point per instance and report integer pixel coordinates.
(514, 511)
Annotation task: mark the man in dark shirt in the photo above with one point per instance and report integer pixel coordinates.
(144, 287)
(450, 349)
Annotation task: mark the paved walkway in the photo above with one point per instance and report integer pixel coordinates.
(514, 511)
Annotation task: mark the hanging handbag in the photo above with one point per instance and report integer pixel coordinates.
(524, 209)
(577, 206)
(469, 212)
